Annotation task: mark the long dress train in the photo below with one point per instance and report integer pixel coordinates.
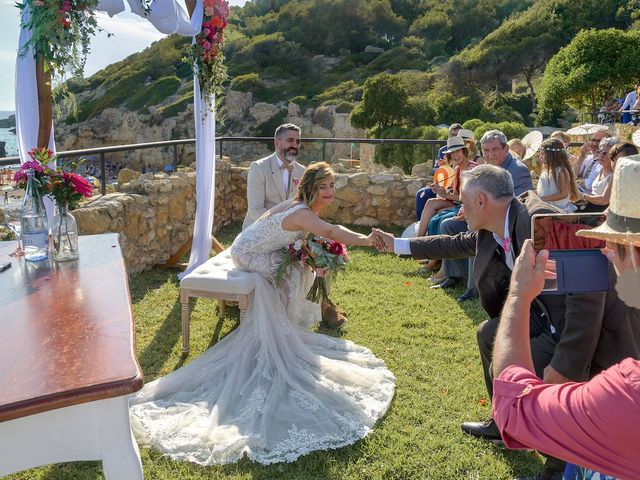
(271, 388)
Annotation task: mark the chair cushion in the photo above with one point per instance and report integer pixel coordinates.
(219, 274)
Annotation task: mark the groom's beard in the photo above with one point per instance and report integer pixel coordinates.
(291, 155)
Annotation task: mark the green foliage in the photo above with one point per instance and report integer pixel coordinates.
(249, 82)
(384, 101)
(472, 124)
(115, 84)
(343, 91)
(344, 107)
(154, 93)
(510, 129)
(406, 156)
(179, 106)
(268, 128)
(585, 72)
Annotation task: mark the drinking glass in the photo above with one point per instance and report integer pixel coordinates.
(12, 220)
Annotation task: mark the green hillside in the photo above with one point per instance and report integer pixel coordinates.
(454, 60)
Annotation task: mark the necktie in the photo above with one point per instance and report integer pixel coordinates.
(289, 167)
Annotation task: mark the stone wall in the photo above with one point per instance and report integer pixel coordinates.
(154, 214)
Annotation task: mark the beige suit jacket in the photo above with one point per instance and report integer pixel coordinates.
(265, 188)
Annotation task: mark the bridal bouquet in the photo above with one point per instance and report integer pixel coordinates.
(321, 254)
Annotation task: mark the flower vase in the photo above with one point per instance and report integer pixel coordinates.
(65, 235)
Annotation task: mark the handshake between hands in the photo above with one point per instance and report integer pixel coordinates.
(381, 241)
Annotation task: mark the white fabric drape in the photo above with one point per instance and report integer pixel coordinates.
(205, 118)
(112, 7)
(27, 114)
(169, 17)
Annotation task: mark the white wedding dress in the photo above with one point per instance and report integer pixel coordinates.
(270, 389)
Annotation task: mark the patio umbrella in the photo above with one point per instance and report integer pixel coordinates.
(531, 141)
(587, 129)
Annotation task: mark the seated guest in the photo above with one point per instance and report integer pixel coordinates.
(470, 141)
(565, 138)
(597, 198)
(517, 148)
(593, 424)
(556, 184)
(426, 193)
(457, 156)
(586, 166)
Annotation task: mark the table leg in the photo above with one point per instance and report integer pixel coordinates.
(119, 450)
(88, 431)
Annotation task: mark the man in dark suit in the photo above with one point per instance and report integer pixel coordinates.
(499, 224)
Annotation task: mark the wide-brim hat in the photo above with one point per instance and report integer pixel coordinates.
(454, 143)
(623, 217)
(466, 134)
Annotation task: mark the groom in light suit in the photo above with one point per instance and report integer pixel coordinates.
(275, 178)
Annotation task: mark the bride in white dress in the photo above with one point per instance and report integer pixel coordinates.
(271, 389)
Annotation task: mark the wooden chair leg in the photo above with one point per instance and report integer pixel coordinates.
(186, 314)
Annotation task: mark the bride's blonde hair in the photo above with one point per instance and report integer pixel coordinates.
(310, 182)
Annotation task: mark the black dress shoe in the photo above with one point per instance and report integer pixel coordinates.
(469, 294)
(546, 474)
(448, 283)
(486, 430)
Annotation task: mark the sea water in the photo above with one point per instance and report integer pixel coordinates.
(10, 139)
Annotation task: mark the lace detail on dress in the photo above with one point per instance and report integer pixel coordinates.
(271, 389)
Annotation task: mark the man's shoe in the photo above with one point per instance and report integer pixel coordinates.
(448, 283)
(546, 474)
(486, 430)
(469, 294)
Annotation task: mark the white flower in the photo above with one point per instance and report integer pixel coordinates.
(298, 244)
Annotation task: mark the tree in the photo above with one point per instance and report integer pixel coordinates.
(523, 44)
(384, 103)
(590, 68)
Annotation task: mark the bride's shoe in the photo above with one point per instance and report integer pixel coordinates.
(332, 315)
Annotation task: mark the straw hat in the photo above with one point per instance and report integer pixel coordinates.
(623, 217)
(466, 134)
(454, 143)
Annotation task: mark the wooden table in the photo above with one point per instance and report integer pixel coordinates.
(67, 361)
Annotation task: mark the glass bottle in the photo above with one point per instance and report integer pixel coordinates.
(33, 221)
(64, 230)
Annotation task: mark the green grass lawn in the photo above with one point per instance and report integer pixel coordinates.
(425, 337)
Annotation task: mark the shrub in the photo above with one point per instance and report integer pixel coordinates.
(154, 93)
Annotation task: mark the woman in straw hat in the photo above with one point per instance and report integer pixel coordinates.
(596, 423)
(457, 154)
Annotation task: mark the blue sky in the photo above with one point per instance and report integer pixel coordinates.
(131, 34)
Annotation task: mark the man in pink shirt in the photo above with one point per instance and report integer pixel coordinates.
(594, 424)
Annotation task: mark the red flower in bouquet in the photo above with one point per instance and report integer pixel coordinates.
(317, 253)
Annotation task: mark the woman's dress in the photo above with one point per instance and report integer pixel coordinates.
(270, 389)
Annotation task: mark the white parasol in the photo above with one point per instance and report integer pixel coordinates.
(587, 129)
(531, 141)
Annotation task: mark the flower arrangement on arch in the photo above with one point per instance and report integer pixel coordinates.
(322, 255)
(205, 54)
(60, 33)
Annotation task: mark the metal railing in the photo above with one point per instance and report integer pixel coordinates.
(102, 151)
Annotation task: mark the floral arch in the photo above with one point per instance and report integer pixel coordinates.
(54, 40)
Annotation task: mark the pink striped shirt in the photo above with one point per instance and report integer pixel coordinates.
(594, 424)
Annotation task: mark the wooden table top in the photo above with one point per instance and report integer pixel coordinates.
(66, 330)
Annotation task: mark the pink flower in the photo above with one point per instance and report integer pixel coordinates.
(296, 182)
(66, 6)
(20, 176)
(209, 3)
(80, 184)
(32, 164)
(206, 32)
(206, 45)
(209, 11)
